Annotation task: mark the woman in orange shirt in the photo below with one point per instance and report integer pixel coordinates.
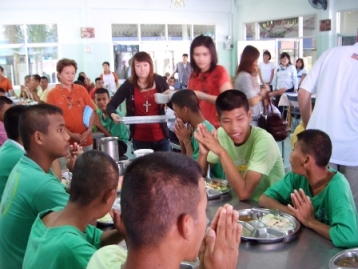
(72, 99)
(5, 83)
(208, 79)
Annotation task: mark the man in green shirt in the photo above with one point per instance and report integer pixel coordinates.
(12, 150)
(63, 237)
(317, 195)
(32, 187)
(249, 155)
(187, 110)
(118, 130)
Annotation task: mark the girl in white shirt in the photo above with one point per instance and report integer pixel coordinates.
(267, 69)
(285, 79)
(301, 71)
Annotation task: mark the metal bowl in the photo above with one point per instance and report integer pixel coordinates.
(337, 261)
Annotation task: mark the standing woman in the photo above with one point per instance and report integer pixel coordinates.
(247, 81)
(267, 69)
(208, 79)
(285, 79)
(72, 99)
(110, 79)
(301, 71)
(138, 91)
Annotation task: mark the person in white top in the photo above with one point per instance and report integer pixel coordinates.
(247, 81)
(285, 79)
(110, 79)
(267, 69)
(334, 80)
(301, 71)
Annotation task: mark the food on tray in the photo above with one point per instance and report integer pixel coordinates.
(217, 185)
(246, 218)
(106, 219)
(278, 223)
(351, 262)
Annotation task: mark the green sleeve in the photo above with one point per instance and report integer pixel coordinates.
(342, 215)
(93, 236)
(261, 159)
(281, 190)
(50, 195)
(119, 130)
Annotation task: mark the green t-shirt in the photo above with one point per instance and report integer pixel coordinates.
(60, 247)
(10, 154)
(260, 153)
(28, 191)
(216, 170)
(333, 206)
(108, 257)
(117, 130)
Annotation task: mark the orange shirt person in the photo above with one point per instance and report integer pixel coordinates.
(5, 83)
(208, 79)
(72, 99)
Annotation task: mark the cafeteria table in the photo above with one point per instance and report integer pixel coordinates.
(306, 249)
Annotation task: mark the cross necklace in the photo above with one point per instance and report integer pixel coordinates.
(146, 104)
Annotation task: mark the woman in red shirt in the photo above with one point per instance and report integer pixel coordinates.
(208, 79)
(138, 91)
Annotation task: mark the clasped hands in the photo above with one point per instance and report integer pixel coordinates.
(220, 246)
(207, 141)
(181, 131)
(302, 207)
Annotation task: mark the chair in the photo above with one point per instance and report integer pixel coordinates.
(294, 111)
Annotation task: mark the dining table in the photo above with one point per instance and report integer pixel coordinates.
(305, 249)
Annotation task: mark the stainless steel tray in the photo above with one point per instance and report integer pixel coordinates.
(337, 261)
(214, 193)
(255, 230)
(146, 119)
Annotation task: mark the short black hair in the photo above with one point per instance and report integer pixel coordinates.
(94, 172)
(43, 77)
(11, 121)
(107, 63)
(230, 100)
(97, 79)
(101, 90)
(36, 77)
(35, 119)
(266, 52)
(81, 78)
(185, 55)
(316, 143)
(186, 98)
(79, 82)
(157, 190)
(2, 90)
(285, 54)
(4, 100)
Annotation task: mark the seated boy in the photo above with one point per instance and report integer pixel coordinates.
(249, 155)
(12, 150)
(119, 130)
(167, 224)
(186, 108)
(318, 196)
(62, 237)
(32, 187)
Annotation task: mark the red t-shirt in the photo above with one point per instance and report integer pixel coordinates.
(147, 132)
(92, 93)
(209, 83)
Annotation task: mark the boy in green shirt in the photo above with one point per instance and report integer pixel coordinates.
(118, 130)
(32, 187)
(318, 196)
(187, 110)
(63, 237)
(249, 155)
(12, 150)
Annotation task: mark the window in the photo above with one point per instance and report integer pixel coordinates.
(125, 32)
(279, 28)
(28, 49)
(348, 21)
(179, 32)
(250, 31)
(151, 32)
(207, 30)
